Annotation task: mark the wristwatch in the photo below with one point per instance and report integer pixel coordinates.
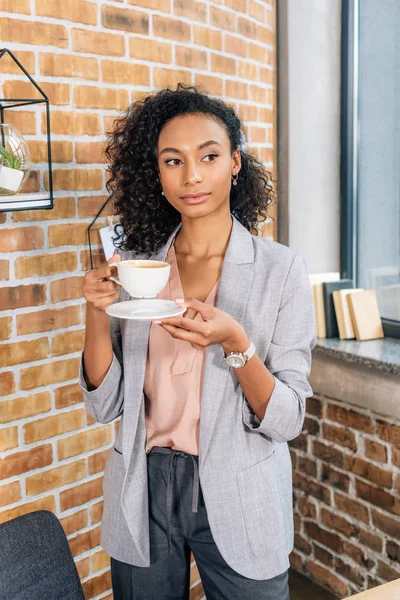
(239, 359)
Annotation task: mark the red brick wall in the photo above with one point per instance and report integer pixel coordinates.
(347, 507)
(92, 58)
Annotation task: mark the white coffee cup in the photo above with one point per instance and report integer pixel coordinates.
(142, 278)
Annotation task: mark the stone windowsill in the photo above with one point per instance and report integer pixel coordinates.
(381, 354)
(366, 374)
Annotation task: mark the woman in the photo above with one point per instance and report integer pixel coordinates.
(207, 400)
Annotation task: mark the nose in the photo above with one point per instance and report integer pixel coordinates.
(192, 173)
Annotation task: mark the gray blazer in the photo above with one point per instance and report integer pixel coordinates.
(244, 464)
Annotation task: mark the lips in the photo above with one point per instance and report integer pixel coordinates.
(198, 198)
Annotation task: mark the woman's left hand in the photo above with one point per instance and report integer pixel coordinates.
(217, 327)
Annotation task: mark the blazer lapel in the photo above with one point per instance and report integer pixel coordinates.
(233, 294)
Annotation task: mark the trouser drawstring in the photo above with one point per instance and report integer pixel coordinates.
(170, 490)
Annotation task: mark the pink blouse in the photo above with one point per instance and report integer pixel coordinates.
(173, 379)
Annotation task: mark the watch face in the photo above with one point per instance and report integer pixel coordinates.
(235, 361)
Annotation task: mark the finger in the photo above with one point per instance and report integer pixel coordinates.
(105, 302)
(206, 310)
(188, 324)
(108, 300)
(108, 294)
(101, 273)
(109, 269)
(104, 287)
(99, 298)
(188, 336)
(114, 259)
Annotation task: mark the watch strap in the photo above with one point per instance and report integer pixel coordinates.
(250, 351)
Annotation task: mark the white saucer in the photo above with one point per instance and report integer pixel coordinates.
(145, 309)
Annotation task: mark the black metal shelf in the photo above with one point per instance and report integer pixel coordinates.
(34, 200)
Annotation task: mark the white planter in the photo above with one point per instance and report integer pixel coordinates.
(10, 179)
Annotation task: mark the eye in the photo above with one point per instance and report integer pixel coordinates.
(173, 162)
(212, 157)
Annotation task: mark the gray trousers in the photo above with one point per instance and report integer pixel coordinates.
(178, 526)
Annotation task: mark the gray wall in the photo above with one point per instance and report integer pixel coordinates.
(309, 127)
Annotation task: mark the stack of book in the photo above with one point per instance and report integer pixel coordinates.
(343, 311)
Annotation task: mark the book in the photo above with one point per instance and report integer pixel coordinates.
(328, 287)
(316, 280)
(342, 311)
(107, 236)
(365, 315)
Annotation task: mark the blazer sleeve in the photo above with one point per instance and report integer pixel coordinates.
(105, 403)
(289, 359)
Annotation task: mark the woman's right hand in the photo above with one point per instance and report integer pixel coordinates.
(97, 290)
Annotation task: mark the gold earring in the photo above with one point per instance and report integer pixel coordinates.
(235, 179)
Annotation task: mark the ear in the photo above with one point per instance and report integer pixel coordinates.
(236, 162)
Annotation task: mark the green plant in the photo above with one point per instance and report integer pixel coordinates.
(9, 159)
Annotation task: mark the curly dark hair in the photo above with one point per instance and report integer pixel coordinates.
(147, 219)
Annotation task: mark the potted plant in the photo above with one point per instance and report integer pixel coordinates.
(14, 160)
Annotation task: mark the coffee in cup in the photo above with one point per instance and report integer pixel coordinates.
(142, 278)
(151, 265)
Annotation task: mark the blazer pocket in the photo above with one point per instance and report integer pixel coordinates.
(261, 506)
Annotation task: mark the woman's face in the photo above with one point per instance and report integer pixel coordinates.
(196, 164)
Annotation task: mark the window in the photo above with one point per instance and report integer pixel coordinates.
(370, 152)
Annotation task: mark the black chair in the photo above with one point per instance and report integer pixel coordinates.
(36, 562)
